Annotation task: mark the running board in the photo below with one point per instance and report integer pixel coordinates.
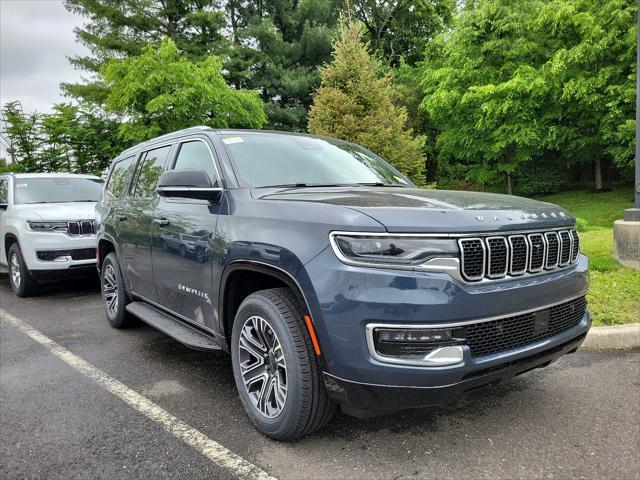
(177, 329)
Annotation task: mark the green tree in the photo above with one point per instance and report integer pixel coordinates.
(277, 47)
(23, 133)
(524, 90)
(354, 103)
(160, 91)
(120, 28)
(593, 75)
(401, 29)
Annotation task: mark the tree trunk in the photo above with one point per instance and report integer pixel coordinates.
(598, 167)
(509, 184)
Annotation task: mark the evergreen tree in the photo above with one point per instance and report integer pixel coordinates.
(277, 47)
(119, 28)
(354, 103)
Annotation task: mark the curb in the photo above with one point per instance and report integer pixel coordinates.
(615, 337)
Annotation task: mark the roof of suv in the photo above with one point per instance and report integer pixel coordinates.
(218, 131)
(52, 175)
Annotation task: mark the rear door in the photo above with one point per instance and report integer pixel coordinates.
(183, 235)
(4, 200)
(136, 221)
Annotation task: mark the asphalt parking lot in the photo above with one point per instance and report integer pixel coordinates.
(579, 418)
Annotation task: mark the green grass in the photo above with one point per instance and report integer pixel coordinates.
(614, 292)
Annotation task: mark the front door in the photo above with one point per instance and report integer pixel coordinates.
(183, 233)
(136, 220)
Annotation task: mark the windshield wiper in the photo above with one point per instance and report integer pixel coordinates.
(309, 185)
(380, 184)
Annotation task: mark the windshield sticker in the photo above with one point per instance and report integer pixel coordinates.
(232, 140)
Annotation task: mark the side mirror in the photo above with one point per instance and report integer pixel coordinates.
(188, 184)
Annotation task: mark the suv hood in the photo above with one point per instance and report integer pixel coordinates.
(58, 211)
(418, 210)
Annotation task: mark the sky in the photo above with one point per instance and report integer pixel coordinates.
(36, 36)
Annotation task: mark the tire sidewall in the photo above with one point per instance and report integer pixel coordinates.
(275, 427)
(25, 276)
(119, 320)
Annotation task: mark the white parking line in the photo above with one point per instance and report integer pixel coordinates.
(215, 452)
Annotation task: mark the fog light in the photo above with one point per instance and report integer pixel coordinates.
(416, 346)
(393, 335)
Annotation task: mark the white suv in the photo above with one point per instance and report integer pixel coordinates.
(47, 227)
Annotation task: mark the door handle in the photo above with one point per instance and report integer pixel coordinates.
(161, 221)
(122, 217)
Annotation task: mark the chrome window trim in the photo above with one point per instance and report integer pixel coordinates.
(526, 255)
(546, 262)
(484, 258)
(506, 260)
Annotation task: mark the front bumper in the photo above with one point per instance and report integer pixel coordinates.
(33, 242)
(360, 399)
(343, 300)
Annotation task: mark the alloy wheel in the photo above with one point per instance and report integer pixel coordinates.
(14, 268)
(110, 290)
(263, 366)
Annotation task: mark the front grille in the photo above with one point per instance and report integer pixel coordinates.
(494, 336)
(75, 254)
(81, 227)
(498, 256)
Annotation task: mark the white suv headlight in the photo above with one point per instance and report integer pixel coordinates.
(391, 251)
(47, 226)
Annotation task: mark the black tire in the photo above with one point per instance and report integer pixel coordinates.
(22, 282)
(307, 407)
(111, 281)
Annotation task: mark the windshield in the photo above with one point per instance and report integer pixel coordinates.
(274, 160)
(57, 190)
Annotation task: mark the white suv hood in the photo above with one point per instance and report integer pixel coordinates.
(58, 211)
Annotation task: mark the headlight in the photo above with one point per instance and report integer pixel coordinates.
(393, 251)
(48, 226)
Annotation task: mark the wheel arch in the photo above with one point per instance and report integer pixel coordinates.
(9, 239)
(234, 288)
(105, 247)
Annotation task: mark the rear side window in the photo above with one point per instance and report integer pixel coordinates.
(196, 156)
(4, 190)
(120, 175)
(149, 171)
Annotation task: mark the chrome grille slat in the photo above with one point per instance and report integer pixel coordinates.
(575, 246)
(499, 256)
(472, 258)
(519, 257)
(553, 250)
(566, 245)
(81, 227)
(538, 252)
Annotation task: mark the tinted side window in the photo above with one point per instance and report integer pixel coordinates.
(119, 178)
(196, 156)
(4, 190)
(149, 171)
